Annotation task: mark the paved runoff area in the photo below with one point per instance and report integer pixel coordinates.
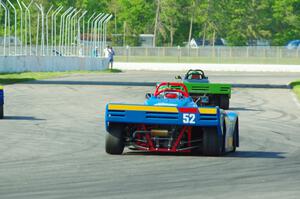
(52, 142)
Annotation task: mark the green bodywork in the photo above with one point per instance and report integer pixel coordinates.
(205, 93)
(208, 88)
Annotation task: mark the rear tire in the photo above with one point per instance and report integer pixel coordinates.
(236, 136)
(212, 145)
(114, 142)
(1, 111)
(214, 100)
(224, 102)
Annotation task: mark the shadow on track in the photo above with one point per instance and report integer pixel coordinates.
(237, 154)
(28, 118)
(113, 83)
(243, 109)
(90, 83)
(143, 153)
(256, 154)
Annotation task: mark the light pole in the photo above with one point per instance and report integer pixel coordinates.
(67, 32)
(72, 31)
(104, 27)
(53, 27)
(40, 8)
(15, 40)
(96, 32)
(88, 29)
(21, 26)
(29, 26)
(5, 24)
(100, 32)
(61, 33)
(92, 29)
(78, 32)
(47, 34)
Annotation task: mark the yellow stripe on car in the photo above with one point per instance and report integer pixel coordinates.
(209, 111)
(1, 87)
(142, 108)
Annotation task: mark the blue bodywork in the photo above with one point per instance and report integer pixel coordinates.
(150, 117)
(143, 114)
(171, 118)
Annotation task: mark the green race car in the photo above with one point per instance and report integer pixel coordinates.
(205, 93)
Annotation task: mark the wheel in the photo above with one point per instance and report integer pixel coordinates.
(214, 100)
(236, 136)
(212, 144)
(224, 102)
(1, 111)
(114, 141)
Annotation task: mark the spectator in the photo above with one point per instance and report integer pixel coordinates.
(111, 56)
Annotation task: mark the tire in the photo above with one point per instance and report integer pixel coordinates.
(214, 100)
(224, 102)
(236, 136)
(234, 142)
(114, 141)
(1, 111)
(212, 145)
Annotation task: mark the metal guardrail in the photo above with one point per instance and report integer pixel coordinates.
(208, 51)
(215, 54)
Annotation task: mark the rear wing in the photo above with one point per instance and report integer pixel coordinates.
(208, 88)
(145, 114)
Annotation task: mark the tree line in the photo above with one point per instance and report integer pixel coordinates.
(175, 22)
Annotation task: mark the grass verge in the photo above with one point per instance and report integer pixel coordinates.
(296, 87)
(10, 78)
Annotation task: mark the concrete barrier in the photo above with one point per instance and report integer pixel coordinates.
(10, 64)
(208, 67)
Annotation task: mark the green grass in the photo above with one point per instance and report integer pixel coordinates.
(223, 60)
(296, 87)
(10, 78)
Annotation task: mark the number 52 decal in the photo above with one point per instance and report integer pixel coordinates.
(189, 118)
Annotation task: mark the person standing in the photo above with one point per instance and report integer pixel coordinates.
(111, 54)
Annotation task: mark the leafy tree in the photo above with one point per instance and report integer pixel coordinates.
(176, 22)
(286, 21)
(171, 15)
(136, 16)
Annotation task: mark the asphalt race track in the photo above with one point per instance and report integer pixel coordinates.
(52, 143)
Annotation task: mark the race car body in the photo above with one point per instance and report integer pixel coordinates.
(170, 121)
(199, 86)
(1, 102)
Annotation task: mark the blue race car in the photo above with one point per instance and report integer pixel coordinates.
(170, 121)
(1, 102)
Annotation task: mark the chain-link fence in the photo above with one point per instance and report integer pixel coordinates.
(263, 55)
(32, 29)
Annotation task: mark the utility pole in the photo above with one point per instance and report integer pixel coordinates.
(156, 22)
(124, 33)
(115, 21)
(194, 7)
